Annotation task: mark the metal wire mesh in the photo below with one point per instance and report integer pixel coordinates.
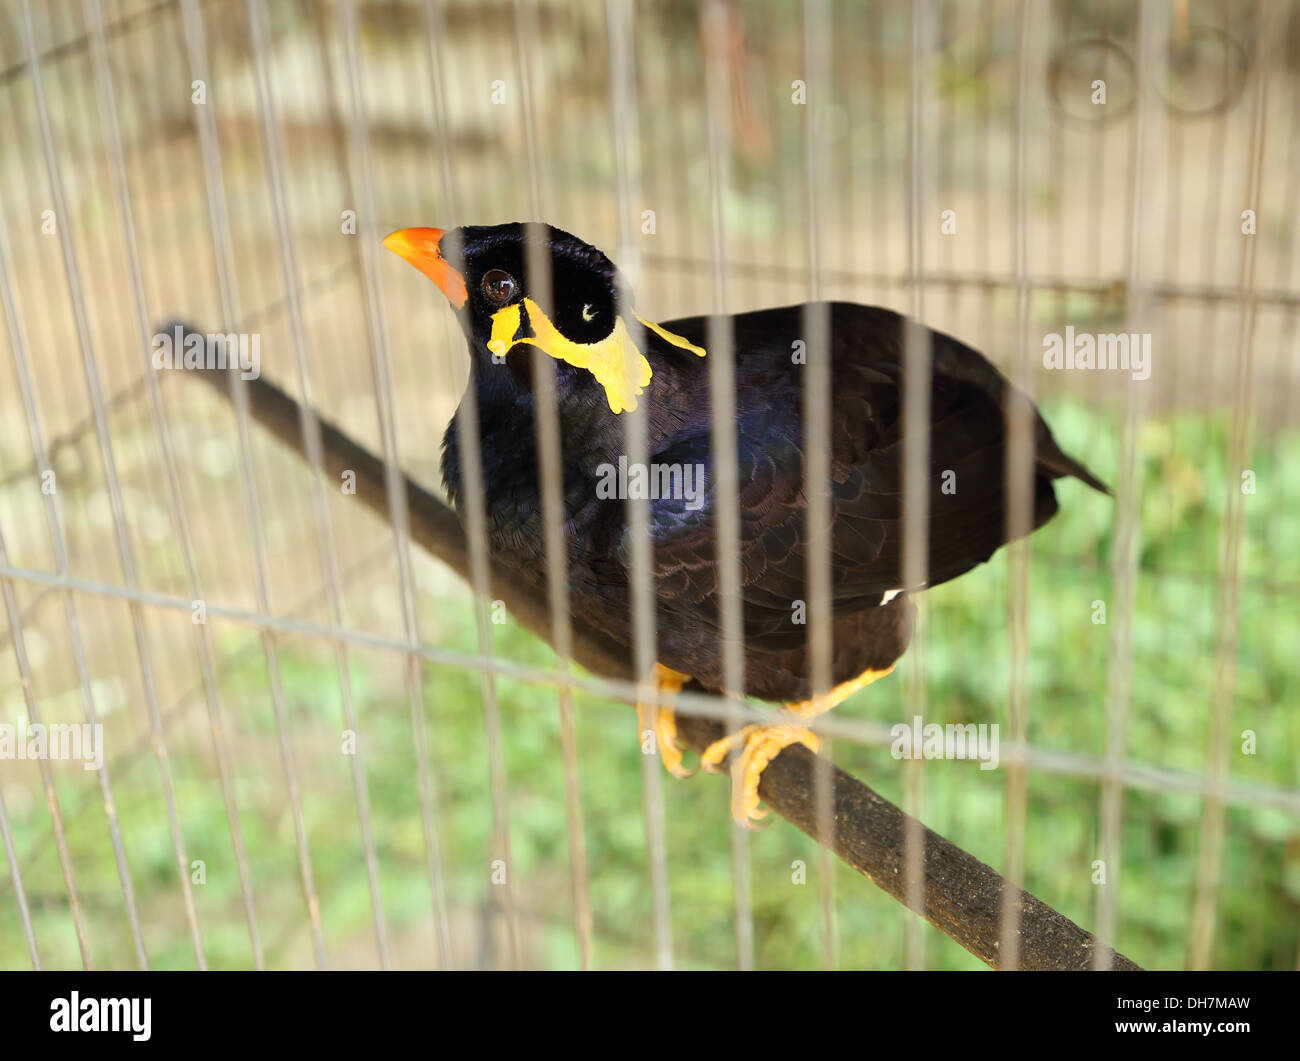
(235, 165)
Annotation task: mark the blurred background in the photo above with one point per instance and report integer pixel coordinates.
(194, 160)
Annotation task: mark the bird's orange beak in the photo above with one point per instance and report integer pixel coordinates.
(419, 246)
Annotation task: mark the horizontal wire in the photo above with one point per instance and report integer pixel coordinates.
(1116, 287)
(868, 734)
(177, 708)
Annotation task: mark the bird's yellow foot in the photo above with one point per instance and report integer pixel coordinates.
(758, 745)
(656, 723)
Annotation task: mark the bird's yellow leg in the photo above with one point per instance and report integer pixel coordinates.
(759, 744)
(655, 717)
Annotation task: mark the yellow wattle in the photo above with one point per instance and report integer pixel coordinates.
(614, 361)
(668, 336)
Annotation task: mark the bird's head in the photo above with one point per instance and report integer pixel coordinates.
(576, 318)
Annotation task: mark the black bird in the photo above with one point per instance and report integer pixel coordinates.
(608, 360)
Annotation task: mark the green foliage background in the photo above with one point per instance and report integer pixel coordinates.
(1182, 504)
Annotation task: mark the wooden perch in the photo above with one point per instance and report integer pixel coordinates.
(960, 895)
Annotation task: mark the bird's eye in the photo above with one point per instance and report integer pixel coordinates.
(499, 286)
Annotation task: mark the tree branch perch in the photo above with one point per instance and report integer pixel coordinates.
(960, 895)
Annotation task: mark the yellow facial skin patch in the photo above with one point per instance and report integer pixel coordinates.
(615, 361)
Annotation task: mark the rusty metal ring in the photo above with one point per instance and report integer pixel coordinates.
(1056, 70)
(1231, 92)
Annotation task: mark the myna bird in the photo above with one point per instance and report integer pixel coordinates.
(608, 360)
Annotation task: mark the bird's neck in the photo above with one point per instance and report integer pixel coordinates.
(508, 453)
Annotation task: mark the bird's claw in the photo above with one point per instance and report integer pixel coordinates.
(660, 722)
(758, 745)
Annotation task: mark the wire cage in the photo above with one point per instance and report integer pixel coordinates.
(326, 737)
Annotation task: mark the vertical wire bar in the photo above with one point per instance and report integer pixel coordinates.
(626, 131)
(1060, 177)
(550, 473)
(202, 636)
(15, 873)
(1287, 332)
(1119, 684)
(551, 478)
(16, 877)
(195, 49)
(1210, 851)
(945, 179)
(917, 385)
(393, 477)
(817, 420)
(176, 240)
(1125, 568)
(1291, 174)
(47, 776)
(432, 25)
(1119, 689)
(81, 143)
(1124, 578)
(645, 633)
(733, 635)
(46, 289)
(163, 439)
(95, 393)
(916, 390)
(473, 511)
(984, 260)
(308, 421)
(472, 508)
(333, 89)
(1018, 480)
(1217, 150)
(1171, 268)
(1058, 169)
(723, 440)
(1099, 149)
(880, 206)
(640, 549)
(71, 616)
